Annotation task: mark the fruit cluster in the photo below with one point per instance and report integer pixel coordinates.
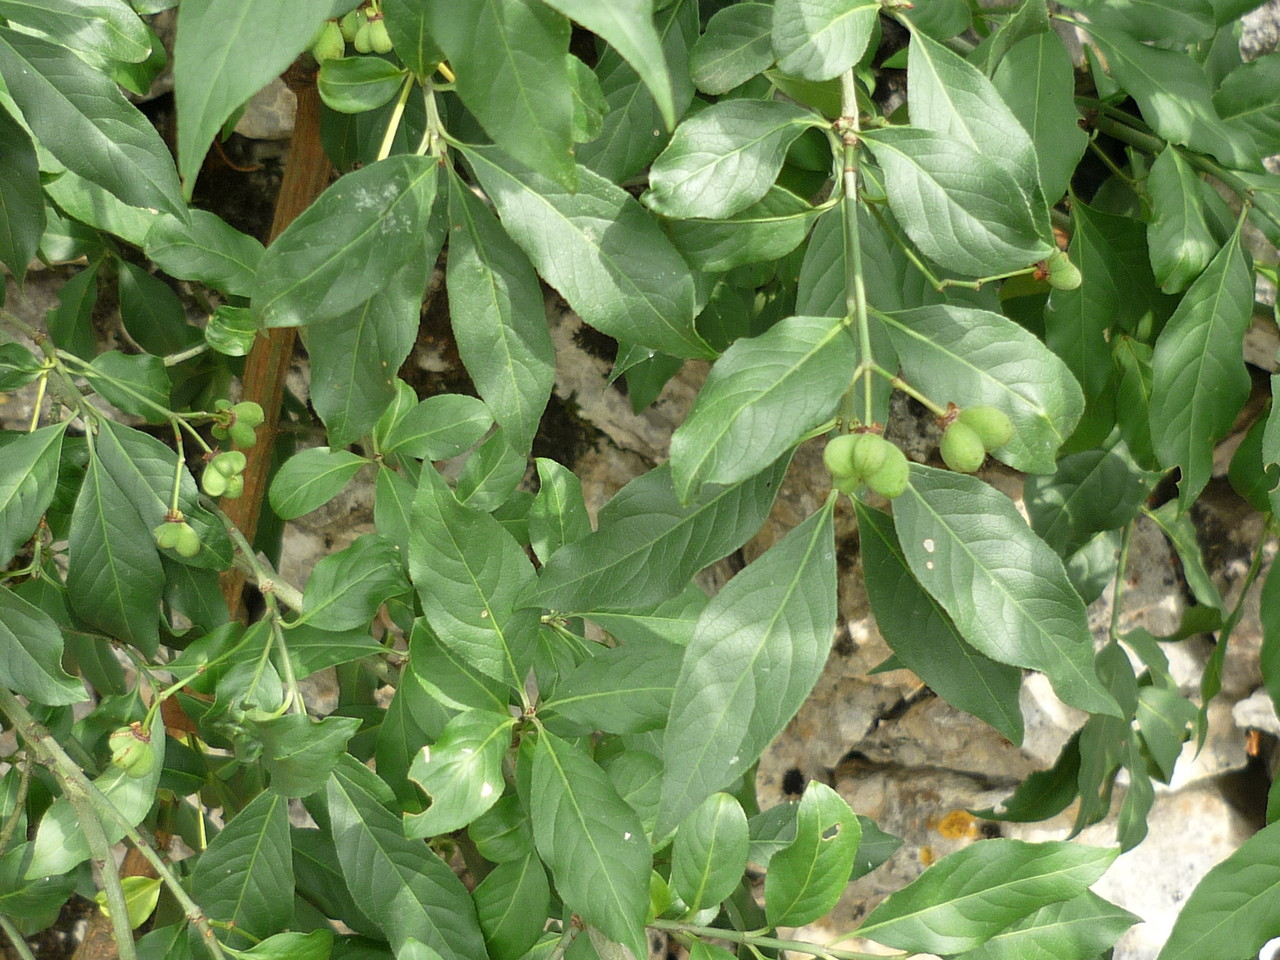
(866, 457)
(237, 422)
(363, 28)
(177, 535)
(222, 478)
(968, 435)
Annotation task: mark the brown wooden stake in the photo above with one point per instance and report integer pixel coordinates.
(306, 174)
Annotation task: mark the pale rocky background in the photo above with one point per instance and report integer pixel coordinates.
(897, 753)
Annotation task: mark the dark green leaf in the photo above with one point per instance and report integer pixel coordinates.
(136, 383)
(559, 514)
(405, 888)
(1005, 589)
(1245, 104)
(114, 578)
(312, 649)
(628, 141)
(32, 664)
(504, 833)
(1199, 376)
(734, 48)
(346, 588)
(311, 479)
(615, 570)
(70, 324)
(439, 427)
(592, 841)
(239, 877)
(208, 249)
(225, 52)
(589, 105)
(1092, 491)
(806, 878)
(348, 245)
(627, 280)
(518, 48)
(231, 330)
(103, 28)
(626, 689)
(1181, 235)
(975, 357)
(356, 84)
(1044, 793)
(724, 158)
(820, 39)
(767, 230)
(1082, 928)
(923, 637)
(470, 574)
(451, 679)
(21, 209)
(80, 116)
(970, 896)
(152, 313)
(35, 900)
(407, 26)
(298, 752)
(875, 848)
(461, 773)
(761, 397)
(1182, 534)
(93, 205)
(1249, 476)
(512, 903)
(28, 483)
(710, 852)
(18, 367)
(757, 651)
(957, 205)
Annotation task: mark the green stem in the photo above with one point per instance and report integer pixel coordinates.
(173, 359)
(264, 578)
(1117, 594)
(100, 848)
(899, 384)
(566, 940)
(855, 291)
(754, 939)
(393, 125)
(177, 467)
(297, 704)
(35, 407)
(19, 803)
(19, 944)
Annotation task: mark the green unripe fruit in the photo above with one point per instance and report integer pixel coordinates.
(213, 482)
(869, 452)
(838, 455)
(349, 25)
(961, 448)
(379, 39)
(131, 751)
(329, 44)
(188, 542)
(1062, 273)
(993, 428)
(242, 435)
(248, 413)
(166, 535)
(363, 41)
(230, 463)
(235, 487)
(890, 478)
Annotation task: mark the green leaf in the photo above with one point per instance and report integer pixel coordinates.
(628, 143)
(518, 48)
(356, 84)
(28, 483)
(21, 209)
(504, 833)
(924, 638)
(298, 752)
(957, 205)
(1092, 491)
(820, 39)
(1235, 909)
(615, 570)
(225, 52)
(761, 397)
(1082, 928)
(757, 651)
(240, 876)
(734, 48)
(559, 514)
(626, 281)
(767, 230)
(208, 249)
(18, 367)
(461, 773)
(114, 578)
(973, 894)
(32, 664)
(103, 28)
(592, 841)
(231, 330)
(1037, 80)
(407, 26)
(60, 844)
(1244, 104)
(1181, 237)
(439, 427)
(626, 689)
(1166, 20)
(498, 320)
(1003, 586)
(974, 357)
(806, 878)
(91, 204)
(627, 26)
(405, 888)
(724, 158)
(1199, 377)
(470, 573)
(316, 945)
(348, 245)
(1183, 536)
(312, 649)
(152, 313)
(346, 588)
(940, 19)
(710, 852)
(35, 900)
(1173, 92)
(512, 903)
(311, 479)
(451, 679)
(80, 116)
(136, 383)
